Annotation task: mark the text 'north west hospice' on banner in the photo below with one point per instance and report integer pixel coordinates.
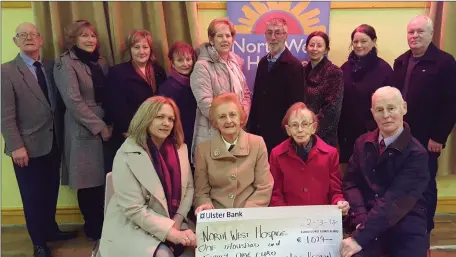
(250, 20)
(298, 231)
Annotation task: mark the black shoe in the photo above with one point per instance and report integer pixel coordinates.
(62, 235)
(91, 232)
(41, 251)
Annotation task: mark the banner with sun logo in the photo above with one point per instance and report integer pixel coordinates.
(250, 20)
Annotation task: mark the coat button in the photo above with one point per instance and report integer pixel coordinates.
(305, 190)
(376, 195)
(50, 130)
(231, 196)
(233, 177)
(390, 154)
(147, 197)
(373, 170)
(302, 168)
(136, 227)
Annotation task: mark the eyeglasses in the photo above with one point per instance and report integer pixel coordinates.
(275, 33)
(24, 35)
(304, 125)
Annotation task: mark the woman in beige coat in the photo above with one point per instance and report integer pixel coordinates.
(153, 187)
(232, 169)
(217, 70)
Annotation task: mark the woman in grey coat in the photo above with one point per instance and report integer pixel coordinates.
(80, 78)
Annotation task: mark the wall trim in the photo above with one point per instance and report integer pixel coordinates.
(446, 205)
(334, 5)
(7, 4)
(15, 216)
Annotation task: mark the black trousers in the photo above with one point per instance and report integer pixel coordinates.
(431, 193)
(91, 204)
(91, 200)
(39, 188)
(408, 238)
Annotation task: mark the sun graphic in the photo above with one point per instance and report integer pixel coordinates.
(299, 21)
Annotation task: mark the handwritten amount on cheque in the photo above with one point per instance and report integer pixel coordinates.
(260, 234)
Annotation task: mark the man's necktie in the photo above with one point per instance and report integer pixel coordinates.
(270, 64)
(41, 79)
(231, 147)
(382, 146)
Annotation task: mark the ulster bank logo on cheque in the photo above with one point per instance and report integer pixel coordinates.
(250, 22)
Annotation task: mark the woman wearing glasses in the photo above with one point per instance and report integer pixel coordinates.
(305, 169)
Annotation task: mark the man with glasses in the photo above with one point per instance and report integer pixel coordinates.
(279, 83)
(31, 116)
(426, 76)
(384, 184)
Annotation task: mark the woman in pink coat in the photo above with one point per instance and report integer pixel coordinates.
(305, 168)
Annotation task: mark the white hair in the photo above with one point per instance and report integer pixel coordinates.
(388, 90)
(25, 24)
(429, 22)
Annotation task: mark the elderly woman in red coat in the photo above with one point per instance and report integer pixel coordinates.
(305, 168)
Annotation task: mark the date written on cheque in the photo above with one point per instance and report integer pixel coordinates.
(318, 222)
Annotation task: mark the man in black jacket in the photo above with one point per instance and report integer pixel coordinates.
(384, 184)
(279, 83)
(426, 76)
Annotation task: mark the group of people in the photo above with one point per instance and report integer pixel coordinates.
(199, 139)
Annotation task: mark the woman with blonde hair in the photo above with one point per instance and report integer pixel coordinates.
(218, 70)
(79, 75)
(231, 169)
(153, 187)
(131, 83)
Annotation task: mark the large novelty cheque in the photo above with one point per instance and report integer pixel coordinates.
(298, 231)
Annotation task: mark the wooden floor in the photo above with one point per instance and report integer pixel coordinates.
(16, 241)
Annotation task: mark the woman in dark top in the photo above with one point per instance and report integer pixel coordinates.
(131, 83)
(324, 87)
(177, 87)
(364, 72)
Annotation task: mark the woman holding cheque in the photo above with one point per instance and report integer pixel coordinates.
(305, 168)
(153, 187)
(231, 169)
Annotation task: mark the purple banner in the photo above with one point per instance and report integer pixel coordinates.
(250, 20)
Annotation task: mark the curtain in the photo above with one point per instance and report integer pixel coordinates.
(168, 22)
(442, 14)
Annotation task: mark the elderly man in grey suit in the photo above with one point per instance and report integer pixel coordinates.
(31, 128)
